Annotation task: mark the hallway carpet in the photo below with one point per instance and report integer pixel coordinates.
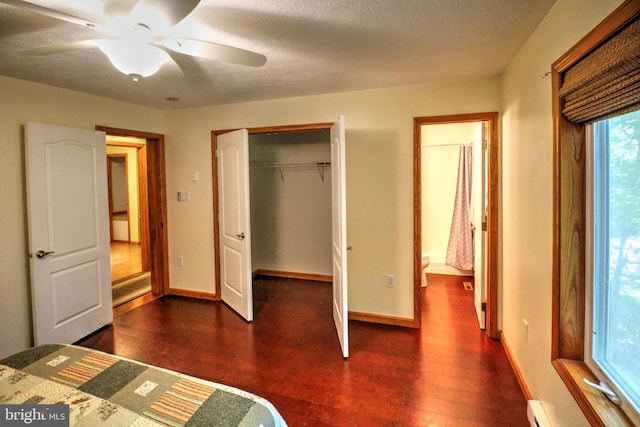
(131, 288)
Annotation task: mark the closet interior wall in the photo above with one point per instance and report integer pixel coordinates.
(290, 183)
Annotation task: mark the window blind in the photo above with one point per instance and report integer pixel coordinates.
(606, 82)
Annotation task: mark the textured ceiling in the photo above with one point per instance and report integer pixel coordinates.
(312, 47)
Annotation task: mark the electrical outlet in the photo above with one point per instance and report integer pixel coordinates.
(180, 261)
(391, 281)
(525, 330)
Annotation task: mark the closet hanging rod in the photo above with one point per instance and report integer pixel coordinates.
(291, 165)
(467, 144)
(280, 166)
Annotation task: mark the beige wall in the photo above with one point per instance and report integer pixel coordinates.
(527, 200)
(379, 156)
(20, 102)
(379, 178)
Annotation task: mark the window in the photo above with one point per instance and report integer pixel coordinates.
(613, 257)
(597, 80)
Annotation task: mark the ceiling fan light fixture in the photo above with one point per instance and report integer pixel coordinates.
(135, 59)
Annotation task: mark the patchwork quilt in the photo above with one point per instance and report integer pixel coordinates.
(106, 390)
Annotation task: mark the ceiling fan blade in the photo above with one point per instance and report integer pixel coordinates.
(215, 51)
(51, 13)
(171, 69)
(60, 48)
(174, 10)
(115, 8)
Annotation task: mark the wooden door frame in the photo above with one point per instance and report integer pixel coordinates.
(214, 169)
(153, 207)
(492, 217)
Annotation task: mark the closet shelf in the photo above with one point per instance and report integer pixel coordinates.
(280, 166)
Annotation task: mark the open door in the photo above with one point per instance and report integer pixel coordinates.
(232, 153)
(68, 221)
(480, 210)
(339, 240)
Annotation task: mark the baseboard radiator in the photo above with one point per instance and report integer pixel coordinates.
(536, 415)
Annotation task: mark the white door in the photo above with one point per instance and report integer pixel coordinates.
(68, 220)
(232, 152)
(480, 209)
(339, 245)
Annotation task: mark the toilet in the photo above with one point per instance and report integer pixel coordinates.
(425, 263)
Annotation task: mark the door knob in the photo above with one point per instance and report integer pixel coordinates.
(240, 236)
(42, 254)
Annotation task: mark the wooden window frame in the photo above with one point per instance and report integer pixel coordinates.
(569, 224)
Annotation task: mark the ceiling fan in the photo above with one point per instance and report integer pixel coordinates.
(137, 42)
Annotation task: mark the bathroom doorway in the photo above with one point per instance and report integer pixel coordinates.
(440, 143)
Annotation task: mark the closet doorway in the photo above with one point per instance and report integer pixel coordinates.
(294, 200)
(467, 145)
(290, 182)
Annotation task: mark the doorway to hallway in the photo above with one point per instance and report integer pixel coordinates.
(150, 218)
(130, 275)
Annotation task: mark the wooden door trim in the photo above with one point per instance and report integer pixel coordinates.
(492, 217)
(153, 204)
(283, 128)
(143, 181)
(109, 199)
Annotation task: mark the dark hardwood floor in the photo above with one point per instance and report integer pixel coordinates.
(446, 374)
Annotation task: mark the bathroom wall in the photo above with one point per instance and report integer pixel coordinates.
(439, 178)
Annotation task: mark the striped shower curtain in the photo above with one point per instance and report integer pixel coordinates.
(460, 248)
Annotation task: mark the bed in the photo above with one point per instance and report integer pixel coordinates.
(101, 389)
